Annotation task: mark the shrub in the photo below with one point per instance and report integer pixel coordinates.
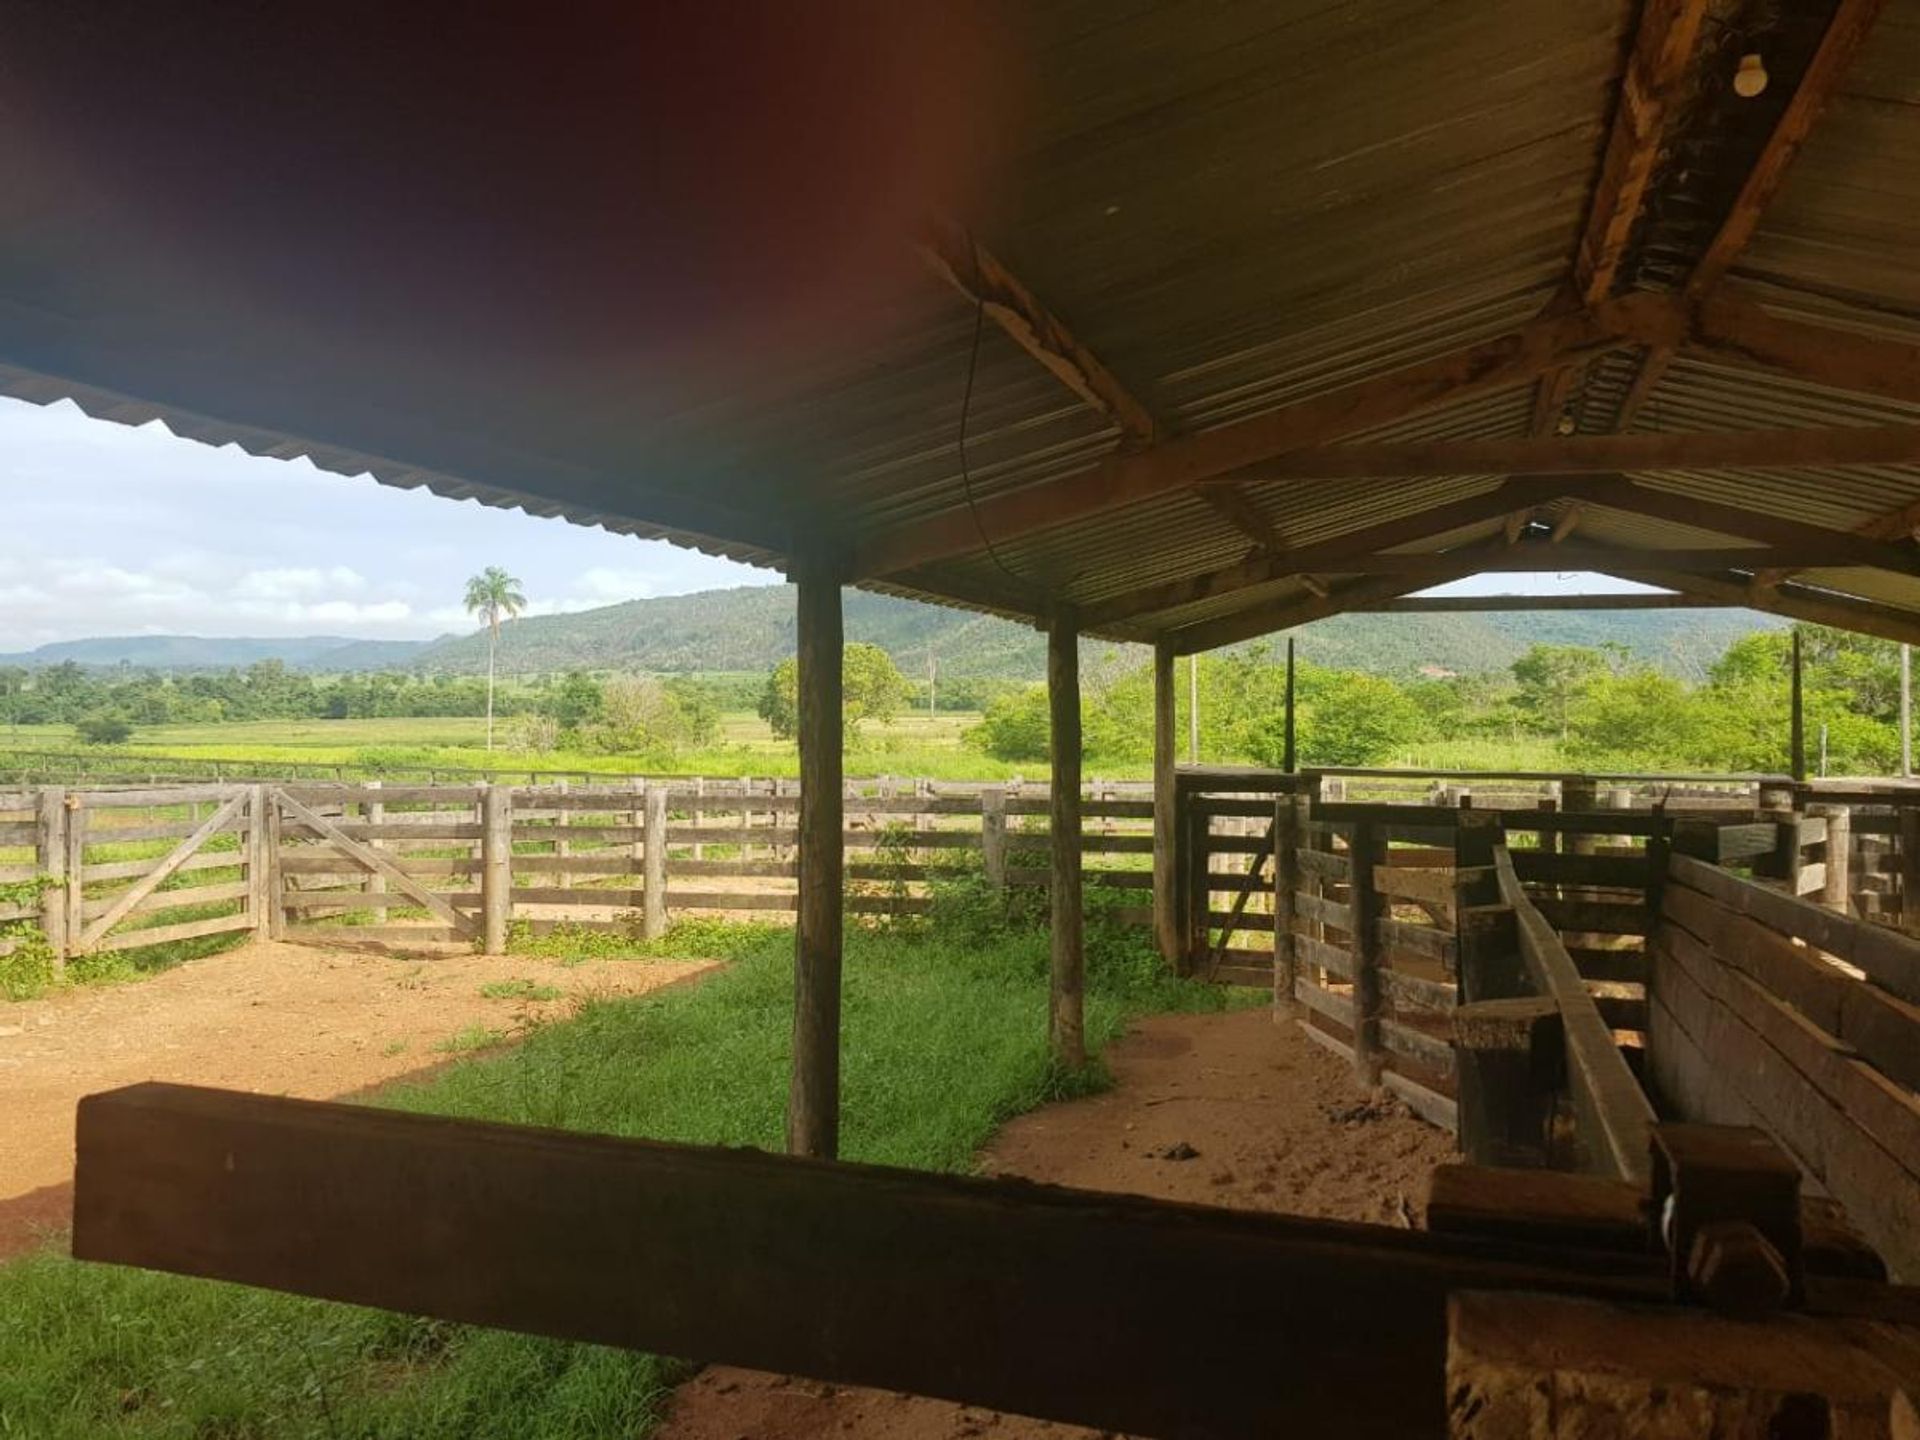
(105, 729)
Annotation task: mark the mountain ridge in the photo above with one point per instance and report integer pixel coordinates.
(750, 628)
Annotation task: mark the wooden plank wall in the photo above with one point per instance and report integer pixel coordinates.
(1769, 1010)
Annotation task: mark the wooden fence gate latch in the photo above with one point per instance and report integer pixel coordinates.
(1726, 1209)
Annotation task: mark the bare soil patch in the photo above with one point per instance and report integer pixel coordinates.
(1226, 1109)
(278, 1019)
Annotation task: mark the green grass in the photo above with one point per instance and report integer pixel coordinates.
(473, 1037)
(519, 990)
(944, 1039)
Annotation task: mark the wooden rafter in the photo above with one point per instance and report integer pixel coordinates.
(1503, 604)
(956, 257)
(1813, 551)
(1729, 328)
(1601, 454)
(1230, 502)
(1664, 54)
(1796, 602)
(1284, 614)
(1129, 478)
(1567, 523)
(1846, 31)
(1323, 557)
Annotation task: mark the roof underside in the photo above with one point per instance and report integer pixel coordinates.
(1230, 212)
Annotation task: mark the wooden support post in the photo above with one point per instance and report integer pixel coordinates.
(562, 820)
(1510, 1059)
(1367, 849)
(50, 851)
(276, 908)
(74, 895)
(1836, 892)
(1797, 727)
(813, 1098)
(1290, 754)
(261, 879)
(1196, 883)
(1487, 948)
(993, 837)
(376, 883)
(496, 866)
(653, 884)
(1290, 813)
(1066, 1032)
(1168, 929)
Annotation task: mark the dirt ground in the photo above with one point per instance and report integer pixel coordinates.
(1272, 1121)
(281, 1019)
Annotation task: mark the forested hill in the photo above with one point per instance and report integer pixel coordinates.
(751, 628)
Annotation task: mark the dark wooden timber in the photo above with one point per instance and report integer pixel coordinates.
(1510, 1060)
(1167, 931)
(1367, 906)
(1071, 1306)
(1797, 741)
(813, 1103)
(1067, 1005)
(1291, 755)
(1499, 604)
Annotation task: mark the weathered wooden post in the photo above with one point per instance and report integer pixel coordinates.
(1290, 816)
(1366, 849)
(496, 866)
(1797, 725)
(1066, 1031)
(653, 883)
(1486, 944)
(1289, 753)
(75, 897)
(1909, 867)
(375, 812)
(993, 837)
(562, 847)
(276, 908)
(1509, 1057)
(1836, 890)
(1168, 929)
(261, 880)
(813, 1099)
(50, 850)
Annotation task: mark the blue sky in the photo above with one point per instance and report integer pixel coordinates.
(111, 530)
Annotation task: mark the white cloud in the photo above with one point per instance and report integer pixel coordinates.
(608, 586)
(294, 582)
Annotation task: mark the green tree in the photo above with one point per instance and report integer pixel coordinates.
(106, 729)
(872, 688)
(1551, 678)
(492, 595)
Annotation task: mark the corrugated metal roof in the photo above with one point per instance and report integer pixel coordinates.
(1237, 206)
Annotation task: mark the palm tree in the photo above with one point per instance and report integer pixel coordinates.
(492, 594)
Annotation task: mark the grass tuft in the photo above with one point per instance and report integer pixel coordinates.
(944, 1040)
(519, 990)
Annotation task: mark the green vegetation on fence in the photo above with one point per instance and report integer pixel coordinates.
(944, 1039)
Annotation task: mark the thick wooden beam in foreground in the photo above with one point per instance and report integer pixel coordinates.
(1129, 478)
(1602, 454)
(1049, 1302)
(813, 1102)
(1066, 1029)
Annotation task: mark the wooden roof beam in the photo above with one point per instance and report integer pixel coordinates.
(1130, 478)
(1603, 454)
(1845, 33)
(1796, 602)
(1323, 557)
(1296, 610)
(1231, 504)
(1731, 329)
(1813, 551)
(1659, 71)
(953, 255)
(1508, 604)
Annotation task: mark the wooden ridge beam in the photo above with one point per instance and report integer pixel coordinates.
(1659, 69)
(1598, 454)
(1129, 478)
(1230, 502)
(1325, 556)
(953, 255)
(736, 1256)
(1845, 33)
(1288, 612)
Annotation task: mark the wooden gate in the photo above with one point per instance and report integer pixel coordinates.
(344, 856)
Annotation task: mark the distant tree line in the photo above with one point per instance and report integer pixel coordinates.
(1606, 710)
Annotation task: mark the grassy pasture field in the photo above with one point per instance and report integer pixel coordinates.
(945, 1039)
(914, 744)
